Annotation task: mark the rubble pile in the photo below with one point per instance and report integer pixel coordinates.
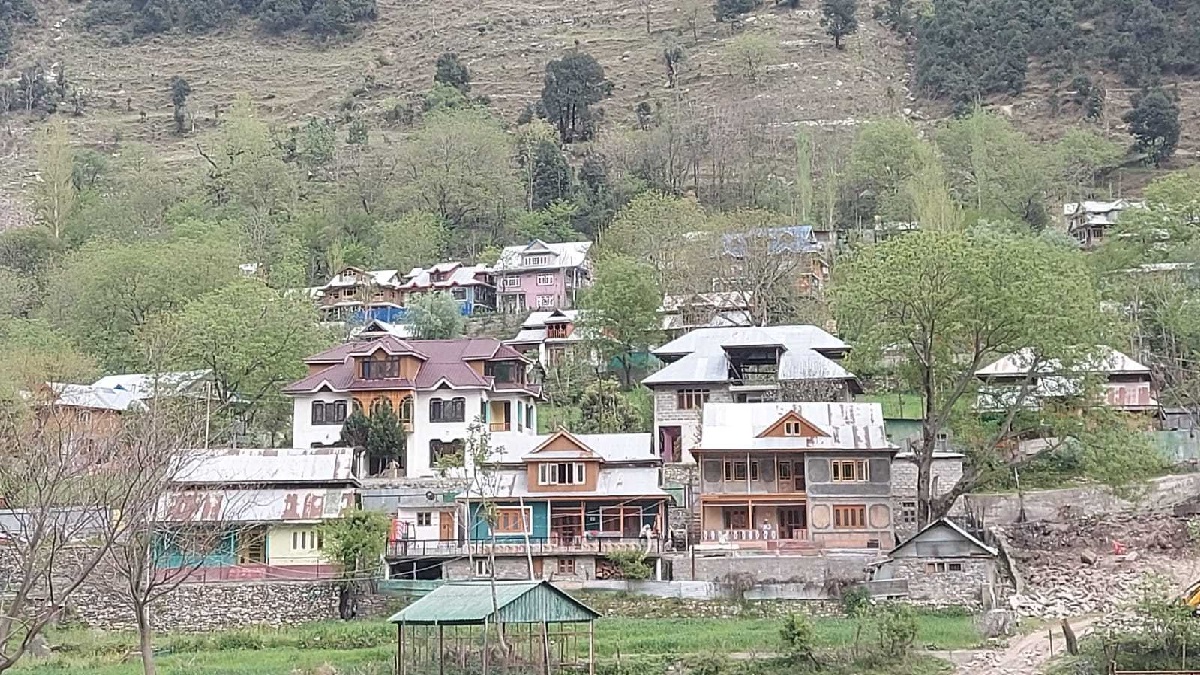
(1097, 564)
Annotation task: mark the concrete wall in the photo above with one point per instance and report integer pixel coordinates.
(668, 414)
(304, 432)
(280, 549)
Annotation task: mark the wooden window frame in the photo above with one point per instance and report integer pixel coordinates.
(504, 519)
(793, 428)
(424, 518)
(858, 470)
(850, 517)
(566, 566)
(730, 470)
(550, 473)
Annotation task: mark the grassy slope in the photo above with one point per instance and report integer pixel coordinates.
(367, 647)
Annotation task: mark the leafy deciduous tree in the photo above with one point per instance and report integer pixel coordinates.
(573, 84)
(620, 311)
(838, 19)
(435, 316)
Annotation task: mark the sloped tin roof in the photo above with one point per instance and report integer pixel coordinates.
(471, 603)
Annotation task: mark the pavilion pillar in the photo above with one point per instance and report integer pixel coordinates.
(441, 650)
(592, 647)
(400, 648)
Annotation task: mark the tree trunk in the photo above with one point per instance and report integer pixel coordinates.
(145, 638)
(924, 456)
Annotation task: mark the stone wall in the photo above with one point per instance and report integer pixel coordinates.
(1060, 505)
(967, 588)
(212, 606)
(822, 570)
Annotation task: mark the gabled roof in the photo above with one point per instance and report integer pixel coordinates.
(444, 362)
(569, 254)
(460, 275)
(479, 602)
(562, 445)
(94, 398)
(715, 339)
(1105, 360)
(145, 386)
(255, 505)
(777, 429)
(954, 527)
(375, 328)
(843, 426)
(789, 239)
(713, 367)
(353, 276)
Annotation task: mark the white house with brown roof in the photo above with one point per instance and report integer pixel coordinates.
(437, 388)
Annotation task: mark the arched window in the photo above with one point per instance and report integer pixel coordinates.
(406, 409)
(379, 403)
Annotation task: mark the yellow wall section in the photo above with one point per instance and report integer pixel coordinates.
(280, 551)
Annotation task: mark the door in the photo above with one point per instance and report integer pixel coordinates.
(793, 522)
(669, 443)
(798, 475)
(446, 526)
(538, 566)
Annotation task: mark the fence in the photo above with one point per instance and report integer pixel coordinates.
(408, 548)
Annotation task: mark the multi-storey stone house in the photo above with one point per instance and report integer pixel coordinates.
(795, 476)
(741, 365)
(541, 275)
(437, 388)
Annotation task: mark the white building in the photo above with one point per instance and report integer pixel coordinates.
(1087, 221)
(548, 335)
(437, 388)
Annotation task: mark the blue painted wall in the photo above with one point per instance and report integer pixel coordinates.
(541, 523)
(167, 555)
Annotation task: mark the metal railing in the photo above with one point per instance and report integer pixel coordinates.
(599, 545)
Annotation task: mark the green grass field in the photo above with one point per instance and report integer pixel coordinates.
(365, 648)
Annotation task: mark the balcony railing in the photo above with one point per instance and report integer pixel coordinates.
(734, 536)
(500, 426)
(408, 548)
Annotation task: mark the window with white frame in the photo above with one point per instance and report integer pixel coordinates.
(851, 470)
(545, 280)
(546, 301)
(306, 540)
(562, 473)
(512, 282)
(424, 518)
(483, 567)
(536, 260)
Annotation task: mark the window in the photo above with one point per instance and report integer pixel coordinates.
(735, 519)
(503, 371)
(546, 301)
(424, 518)
(529, 416)
(561, 473)
(850, 517)
(557, 331)
(536, 260)
(376, 369)
(444, 411)
(514, 520)
(753, 470)
(483, 567)
(545, 280)
(908, 513)
(512, 282)
(520, 415)
(792, 428)
(566, 566)
(943, 567)
(439, 451)
(406, 410)
(253, 550)
(379, 403)
(954, 567)
(610, 519)
(690, 399)
(459, 293)
(328, 412)
(735, 470)
(306, 540)
(852, 470)
(785, 471)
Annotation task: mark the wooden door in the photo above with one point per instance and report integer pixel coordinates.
(446, 526)
(792, 521)
(538, 565)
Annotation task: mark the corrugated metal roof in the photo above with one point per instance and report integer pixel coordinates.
(320, 465)
(472, 603)
(254, 506)
(145, 386)
(1105, 359)
(93, 397)
(460, 275)
(847, 426)
(567, 254)
(715, 339)
(794, 364)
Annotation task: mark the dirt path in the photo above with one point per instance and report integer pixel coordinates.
(1025, 655)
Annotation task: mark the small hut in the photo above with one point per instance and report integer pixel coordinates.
(495, 626)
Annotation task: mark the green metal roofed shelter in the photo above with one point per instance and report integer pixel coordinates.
(495, 626)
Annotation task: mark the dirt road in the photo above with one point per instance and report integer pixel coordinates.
(1024, 655)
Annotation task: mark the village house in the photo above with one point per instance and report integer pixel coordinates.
(548, 335)
(944, 565)
(358, 296)
(796, 243)
(1125, 384)
(253, 514)
(473, 286)
(147, 387)
(683, 313)
(945, 472)
(437, 389)
(741, 365)
(795, 477)
(1087, 221)
(563, 500)
(541, 275)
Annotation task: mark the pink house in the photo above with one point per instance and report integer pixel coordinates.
(541, 275)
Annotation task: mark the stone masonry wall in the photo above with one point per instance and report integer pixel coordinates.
(966, 588)
(770, 568)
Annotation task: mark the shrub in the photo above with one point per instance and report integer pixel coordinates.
(799, 639)
(632, 564)
(897, 626)
(856, 600)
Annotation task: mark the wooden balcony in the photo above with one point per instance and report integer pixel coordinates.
(500, 426)
(751, 535)
(413, 548)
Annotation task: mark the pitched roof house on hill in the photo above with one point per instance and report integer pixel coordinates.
(542, 276)
(741, 365)
(437, 388)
